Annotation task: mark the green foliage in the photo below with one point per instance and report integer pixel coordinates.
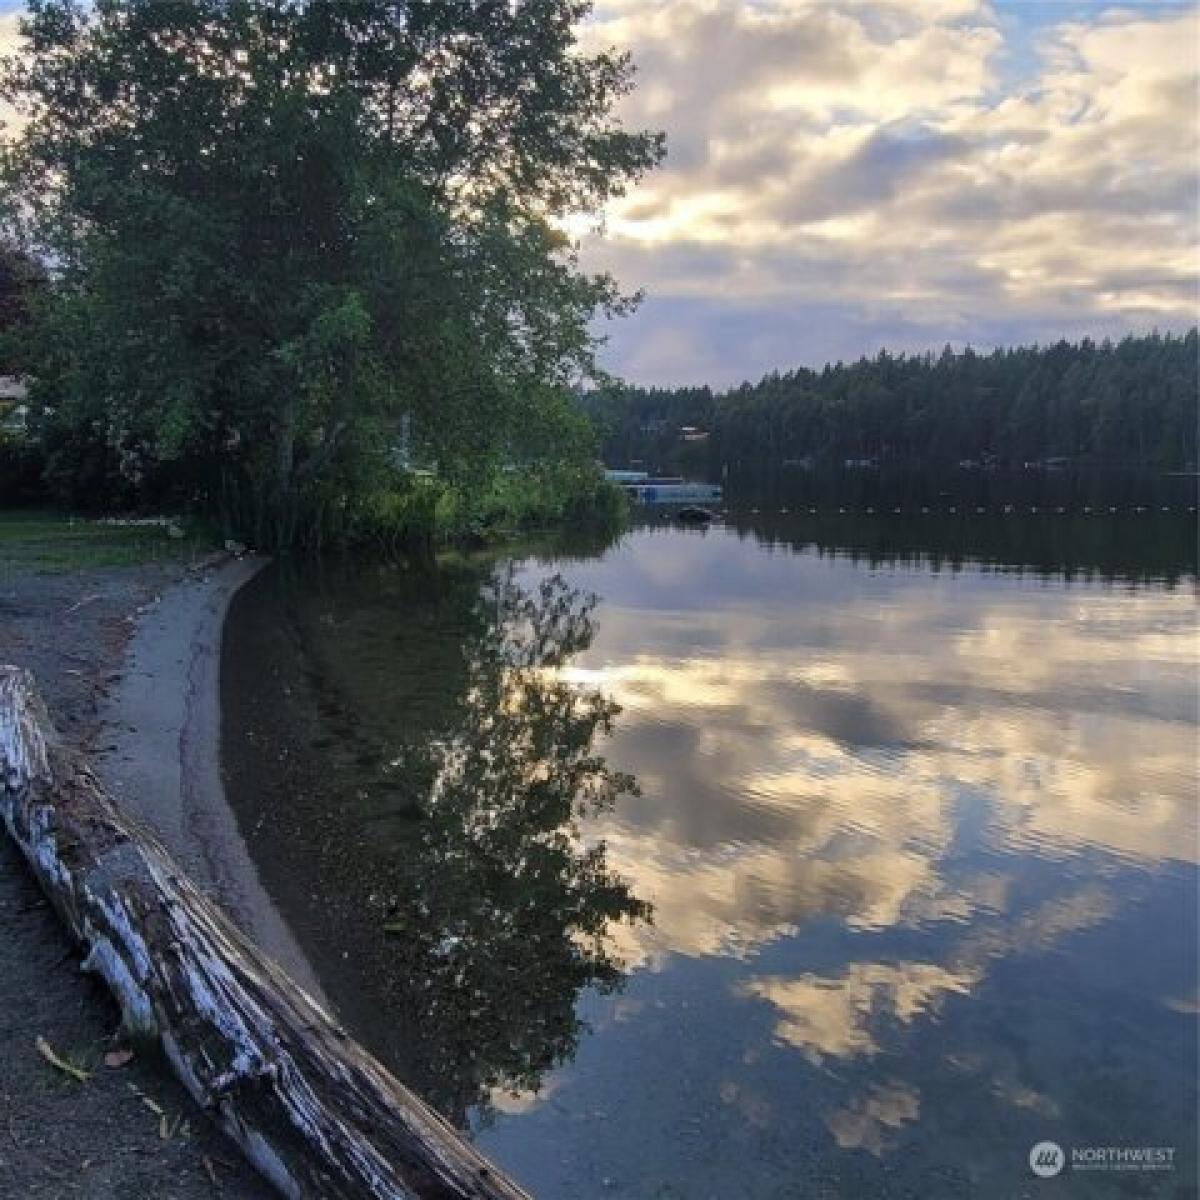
(283, 230)
(551, 495)
(1129, 402)
(404, 511)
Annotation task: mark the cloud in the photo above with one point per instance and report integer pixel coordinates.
(843, 176)
(872, 173)
(9, 40)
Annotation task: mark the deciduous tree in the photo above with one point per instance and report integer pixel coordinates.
(281, 226)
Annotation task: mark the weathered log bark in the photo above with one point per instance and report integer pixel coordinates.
(314, 1112)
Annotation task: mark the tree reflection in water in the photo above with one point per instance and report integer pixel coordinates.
(502, 916)
(412, 770)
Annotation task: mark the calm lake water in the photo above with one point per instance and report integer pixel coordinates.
(884, 870)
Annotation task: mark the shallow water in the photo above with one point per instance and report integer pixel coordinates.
(914, 820)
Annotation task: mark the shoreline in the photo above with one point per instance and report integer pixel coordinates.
(101, 1137)
(160, 729)
(128, 661)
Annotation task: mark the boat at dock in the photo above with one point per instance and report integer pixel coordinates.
(644, 488)
(626, 476)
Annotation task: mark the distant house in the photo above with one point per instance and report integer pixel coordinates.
(14, 412)
(689, 433)
(13, 389)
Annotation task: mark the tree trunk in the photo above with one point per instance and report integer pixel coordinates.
(314, 1112)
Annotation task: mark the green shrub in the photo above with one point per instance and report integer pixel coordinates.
(407, 512)
(537, 497)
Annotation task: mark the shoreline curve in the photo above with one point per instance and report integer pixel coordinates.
(161, 756)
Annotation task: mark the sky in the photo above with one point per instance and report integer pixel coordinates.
(848, 175)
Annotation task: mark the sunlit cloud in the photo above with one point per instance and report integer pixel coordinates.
(843, 176)
(841, 1016)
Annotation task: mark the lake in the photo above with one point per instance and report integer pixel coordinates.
(835, 855)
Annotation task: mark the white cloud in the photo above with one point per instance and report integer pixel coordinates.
(857, 174)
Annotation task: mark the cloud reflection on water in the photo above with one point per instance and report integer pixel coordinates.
(897, 827)
(816, 742)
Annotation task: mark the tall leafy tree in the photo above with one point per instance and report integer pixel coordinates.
(279, 227)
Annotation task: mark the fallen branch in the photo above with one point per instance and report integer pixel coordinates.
(314, 1112)
(56, 1060)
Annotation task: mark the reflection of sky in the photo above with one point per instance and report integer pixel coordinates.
(804, 731)
(874, 799)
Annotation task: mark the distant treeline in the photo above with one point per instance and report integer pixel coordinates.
(1131, 402)
(1127, 547)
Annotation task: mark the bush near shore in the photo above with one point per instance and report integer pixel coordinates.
(400, 512)
(409, 512)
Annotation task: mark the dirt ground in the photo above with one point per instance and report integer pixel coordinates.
(131, 1131)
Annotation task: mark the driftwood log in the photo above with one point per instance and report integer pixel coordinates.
(311, 1109)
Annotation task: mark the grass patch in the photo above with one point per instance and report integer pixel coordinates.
(48, 541)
